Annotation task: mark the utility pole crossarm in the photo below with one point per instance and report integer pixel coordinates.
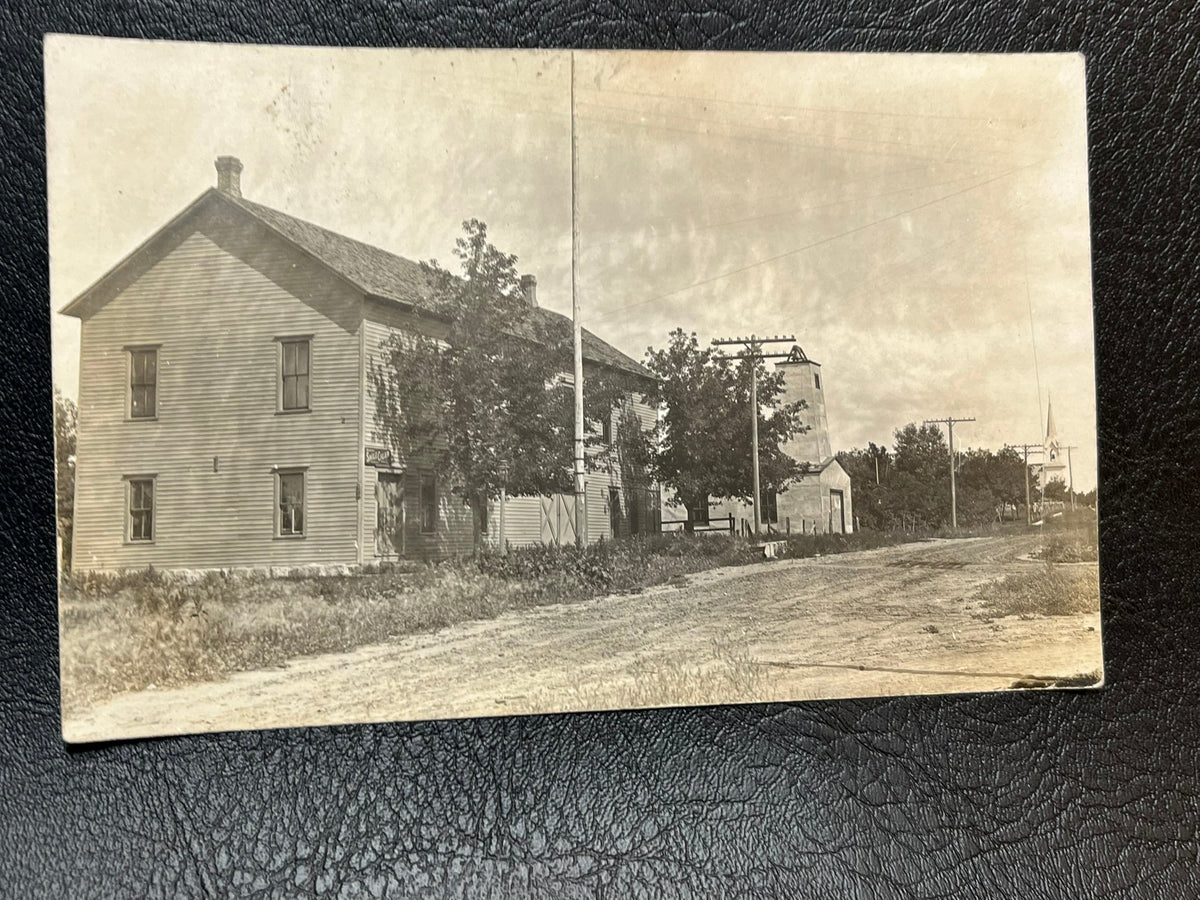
(753, 351)
(1027, 449)
(950, 422)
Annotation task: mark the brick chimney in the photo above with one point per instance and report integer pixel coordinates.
(229, 175)
(529, 289)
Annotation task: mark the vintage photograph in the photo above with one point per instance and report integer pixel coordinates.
(422, 384)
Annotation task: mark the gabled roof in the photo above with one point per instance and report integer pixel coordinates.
(374, 271)
(812, 468)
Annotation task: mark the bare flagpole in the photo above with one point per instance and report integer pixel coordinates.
(577, 328)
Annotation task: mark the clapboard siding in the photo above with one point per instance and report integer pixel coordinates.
(646, 413)
(216, 320)
(522, 521)
(454, 535)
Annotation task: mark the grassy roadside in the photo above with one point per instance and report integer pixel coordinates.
(1057, 588)
(144, 629)
(1047, 591)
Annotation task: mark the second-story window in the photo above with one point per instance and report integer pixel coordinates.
(143, 383)
(294, 354)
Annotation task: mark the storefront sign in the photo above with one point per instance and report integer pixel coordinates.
(380, 457)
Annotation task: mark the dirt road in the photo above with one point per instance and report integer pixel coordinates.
(891, 621)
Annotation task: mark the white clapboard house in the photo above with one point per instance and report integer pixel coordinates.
(226, 416)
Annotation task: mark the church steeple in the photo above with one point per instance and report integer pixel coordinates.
(1052, 449)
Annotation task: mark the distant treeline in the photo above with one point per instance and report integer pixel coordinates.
(908, 486)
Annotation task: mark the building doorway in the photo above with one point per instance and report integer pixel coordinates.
(837, 512)
(389, 514)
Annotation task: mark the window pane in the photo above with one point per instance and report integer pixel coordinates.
(294, 373)
(142, 378)
(291, 503)
(141, 510)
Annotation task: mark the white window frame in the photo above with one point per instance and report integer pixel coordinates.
(278, 475)
(130, 350)
(279, 376)
(129, 481)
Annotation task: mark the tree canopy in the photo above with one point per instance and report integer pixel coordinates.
(703, 440)
(913, 489)
(482, 391)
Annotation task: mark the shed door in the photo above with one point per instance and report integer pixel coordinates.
(389, 514)
(558, 519)
(837, 513)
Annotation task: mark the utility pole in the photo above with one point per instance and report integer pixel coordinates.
(754, 353)
(950, 423)
(1036, 448)
(577, 329)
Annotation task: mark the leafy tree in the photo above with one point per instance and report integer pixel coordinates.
(66, 419)
(913, 492)
(989, 483)
(1056, 489)
(919, 497)
(485, 388)
(870, 473)
(703, 443)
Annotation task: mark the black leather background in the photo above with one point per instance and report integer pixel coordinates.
(1067, 794)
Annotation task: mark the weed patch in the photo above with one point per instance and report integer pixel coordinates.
(136, 630)
(1048, 591)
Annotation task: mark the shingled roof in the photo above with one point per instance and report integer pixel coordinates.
(393, 277)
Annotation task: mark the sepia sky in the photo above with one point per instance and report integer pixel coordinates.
(918, 222)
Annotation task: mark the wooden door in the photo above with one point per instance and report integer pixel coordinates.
(558, 519)
(837, 513)
(389, 514)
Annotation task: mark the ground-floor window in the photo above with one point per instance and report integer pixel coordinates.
(428, 503)
(291, 512)
(614, 511)
(700, 513)
(141, 508)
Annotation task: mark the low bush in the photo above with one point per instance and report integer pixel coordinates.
(1068, 547)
